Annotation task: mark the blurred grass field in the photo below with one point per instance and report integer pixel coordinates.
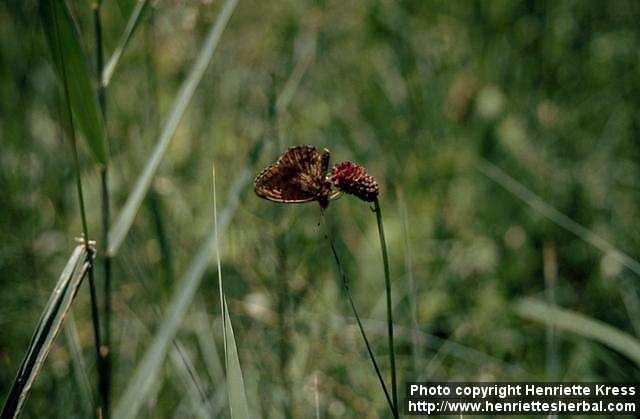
(494, 129)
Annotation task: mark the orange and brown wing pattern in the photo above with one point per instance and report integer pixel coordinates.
(298, 176)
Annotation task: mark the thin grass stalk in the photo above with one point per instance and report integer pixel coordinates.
(345, 285)
(147, 371)
(94, 304)
(95, 317)
(550, 264)
(631, 302)
(48, 327)
(79, 367)
(105, 73)
(127, 214)
(182, 365)
(413, 289)
(191, 379)
(387, 280)
(238, 407)
(105, 350)
(204, 330)
(580, 324)
(155, 201)
(220, 288)
(281, 264)
(536, 203)
(164, 242)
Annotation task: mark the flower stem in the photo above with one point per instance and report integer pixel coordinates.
(347, 291)
(387, 280)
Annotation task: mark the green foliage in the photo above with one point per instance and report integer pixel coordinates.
(580, 324)
(46, 331)
(238, 405)
(510, 126)
(69, 59)
(128, 213)
(132, 24)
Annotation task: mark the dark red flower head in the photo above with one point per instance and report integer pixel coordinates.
(353, 179)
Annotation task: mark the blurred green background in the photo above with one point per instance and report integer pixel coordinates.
(432, 97)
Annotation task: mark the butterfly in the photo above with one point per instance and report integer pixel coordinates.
(299, 175)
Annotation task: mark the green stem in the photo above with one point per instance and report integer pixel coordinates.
(95, 316)
(220, 287)
(413, 290)
(156, 209)
(94, 305)
(347, 291)
(387, 280)
(105, 350)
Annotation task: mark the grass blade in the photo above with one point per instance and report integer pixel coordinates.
(79, 367)
(82, 96)
(413, 289)
(126, 7)
(125, 219)
(550, 269)
(580, 324)
(145, 374)
(48, 327)
(235, 383)
(132, 24)
(538, 204)
(205, 333)
(190, 380)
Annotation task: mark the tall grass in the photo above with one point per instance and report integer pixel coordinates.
(124, 220)
(580, 324)
(235, 382)
(412, 288)
(79, 366)
(147, 370)
(47, 329)
(83, 106)
(550, 269)
(523, 193)
(106, 73)
(71, 64)
(104, 352)
(68, 54)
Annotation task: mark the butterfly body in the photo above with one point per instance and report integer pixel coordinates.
(299, 176)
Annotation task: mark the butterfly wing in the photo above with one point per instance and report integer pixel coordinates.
(296, 177)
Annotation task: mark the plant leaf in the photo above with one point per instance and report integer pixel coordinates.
(580, 324)
(122, 224)
(79, 367)
(147, 370)
(82, 95)
(126, 7)
(132, 24)
(235, 382)
(47, 329)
